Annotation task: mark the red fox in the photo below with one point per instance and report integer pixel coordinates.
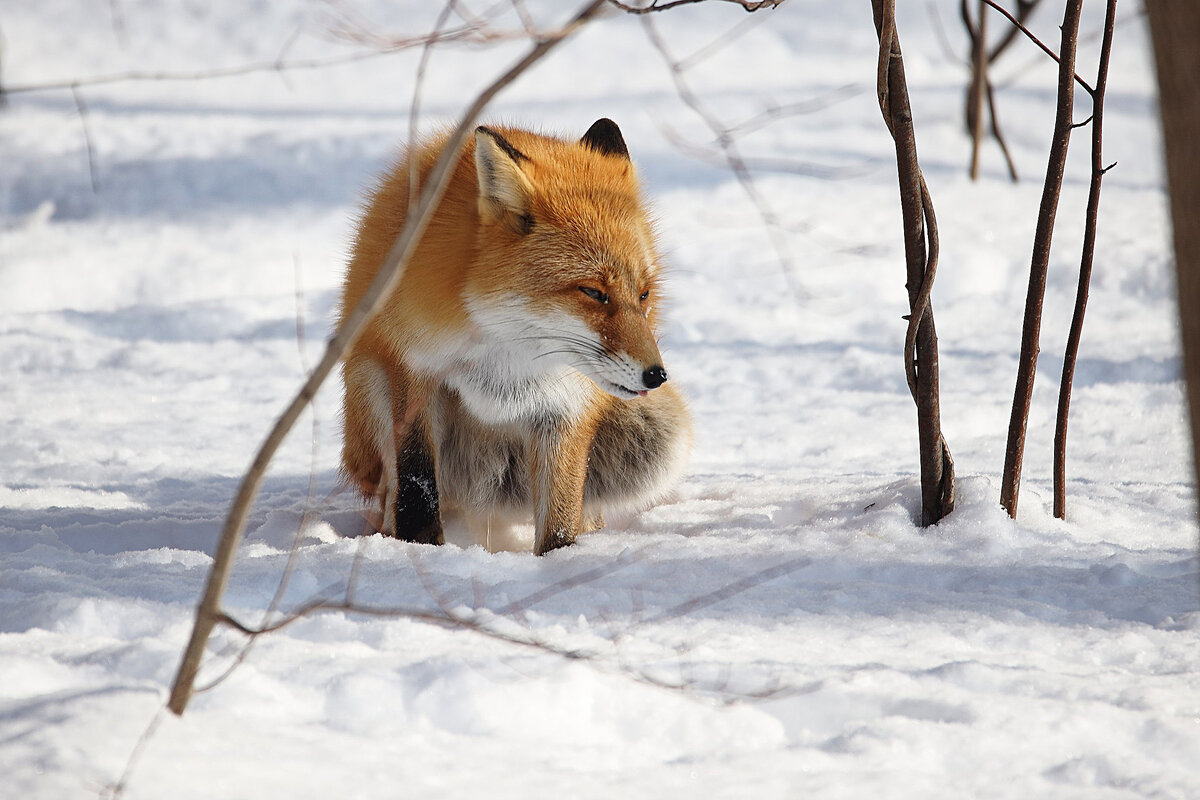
(514, 374)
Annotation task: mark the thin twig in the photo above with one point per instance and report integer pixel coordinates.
(314, 454)
(366, 32)
(733, 159)
(1024, 10)
(117, 790)
(480, 624)
(1033, 38)
(775, 112)
(980, 89)
(82, 109)
(309, 503)
(979, 82)
(943, 39)
(414, 111)
(281, 59)
(465, 34)
(1132, 18)
(1085, 267)
(355, 569)
(719, 158)
(726, 39)
(526, 18)
(117, 18)
(999, 137)
(482, 621)
(208, 612)
(657, 5)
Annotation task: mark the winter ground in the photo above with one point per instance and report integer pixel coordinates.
(825, 645)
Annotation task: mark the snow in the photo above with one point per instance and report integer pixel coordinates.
(780, 627)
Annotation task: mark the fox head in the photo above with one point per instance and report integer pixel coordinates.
(567, 270)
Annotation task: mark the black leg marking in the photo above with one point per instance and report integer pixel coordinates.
(417, 515)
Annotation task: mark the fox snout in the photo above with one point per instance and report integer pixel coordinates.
(652, 378)
(640, 381)
(633, 361)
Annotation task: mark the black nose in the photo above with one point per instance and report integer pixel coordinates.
(654, 377)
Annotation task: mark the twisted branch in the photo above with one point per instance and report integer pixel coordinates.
(921, 256)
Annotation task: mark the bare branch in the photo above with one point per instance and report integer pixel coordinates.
(81, 108)
(980, 89)
(465, 34)
(1085, 267)
(733, 159)
(117, 17)
(1020, 25)
(719, 158)
(208, 612)
(414, 111)
(943, 39)
(526, 17)
(117, 790)
(660, 5)
(773, 113)
(727, 38)
(999, 137)
(281, 59)
(1024, 10)
(484, 622)
(475, 29)
(980, 86)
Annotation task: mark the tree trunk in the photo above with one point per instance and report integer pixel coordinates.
(1175, 32)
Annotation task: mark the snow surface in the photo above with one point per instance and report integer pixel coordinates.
(820, 643)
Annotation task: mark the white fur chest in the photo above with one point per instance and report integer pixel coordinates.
(499, 385)
(506, 370)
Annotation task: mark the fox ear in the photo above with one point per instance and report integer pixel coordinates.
(505, 193)
(605, 137)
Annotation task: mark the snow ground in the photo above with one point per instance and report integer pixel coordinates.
(824, 644)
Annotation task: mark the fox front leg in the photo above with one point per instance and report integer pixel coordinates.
(559, 470)
(416, 507)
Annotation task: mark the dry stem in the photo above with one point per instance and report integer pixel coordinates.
(209, 611)
(1085, 267)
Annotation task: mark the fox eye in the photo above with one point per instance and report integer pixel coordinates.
(595, 294)
(643, 296)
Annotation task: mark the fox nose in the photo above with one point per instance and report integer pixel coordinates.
(654, 377)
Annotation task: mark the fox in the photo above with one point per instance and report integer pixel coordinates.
(514, 374)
